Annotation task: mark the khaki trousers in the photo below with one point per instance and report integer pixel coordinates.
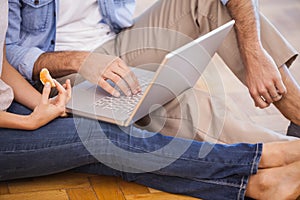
(196, 114)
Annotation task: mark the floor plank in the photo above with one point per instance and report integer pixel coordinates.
(45, 195)
(158, 196)
(107, 188)
(132, 188)
(81, 194)
(58, 181)
(3, 188)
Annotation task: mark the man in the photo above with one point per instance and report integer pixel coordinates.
(59, 35)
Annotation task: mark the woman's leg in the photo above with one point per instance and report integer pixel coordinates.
(53, 148)
(138, 155)
(68, 143)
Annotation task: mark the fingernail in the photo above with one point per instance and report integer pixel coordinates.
(136, 91)
(47, 84)
(116, 94)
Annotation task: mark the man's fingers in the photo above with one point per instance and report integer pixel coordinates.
(118, 81)
(281, 89)
(266, 97)
(129, 77)
(46, 93)
(108, 88)
(274, 94)
(276, 91)
(133, 82)
(260, 102)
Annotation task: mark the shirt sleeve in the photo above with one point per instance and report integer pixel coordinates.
(20, 57)
(224, 2)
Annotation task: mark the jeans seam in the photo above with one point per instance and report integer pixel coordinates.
(185, 158)
(219, 183)
(37, 149)
(241, 188)
(256, 159)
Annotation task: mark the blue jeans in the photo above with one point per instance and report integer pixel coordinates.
(221, 172)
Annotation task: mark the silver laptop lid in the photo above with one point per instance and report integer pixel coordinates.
(181, 69)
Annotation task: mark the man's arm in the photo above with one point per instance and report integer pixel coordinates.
(95, 67)
(262, 76)
(60, 63)
(29, 60)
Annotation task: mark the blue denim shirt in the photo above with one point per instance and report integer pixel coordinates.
(32, 28)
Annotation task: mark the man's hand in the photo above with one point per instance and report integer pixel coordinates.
(95, 67)
(262, 76)
(98, 68)
(263, 80)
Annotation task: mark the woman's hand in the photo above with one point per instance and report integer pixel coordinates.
(49, 109)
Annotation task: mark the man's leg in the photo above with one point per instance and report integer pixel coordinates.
(289, 105)
(293, 130)
(172, 24)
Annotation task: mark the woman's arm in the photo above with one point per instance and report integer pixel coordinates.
(44, 112)
(22, 89)
(45, 109)
(10, 120)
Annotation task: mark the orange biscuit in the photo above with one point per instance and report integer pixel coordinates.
(45, 77)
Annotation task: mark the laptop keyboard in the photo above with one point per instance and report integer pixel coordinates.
(123, 104)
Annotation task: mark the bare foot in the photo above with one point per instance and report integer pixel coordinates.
(280, 183)
(277, 154)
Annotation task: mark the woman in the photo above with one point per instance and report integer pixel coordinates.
(38, 142)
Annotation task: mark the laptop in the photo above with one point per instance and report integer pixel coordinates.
(179, 71)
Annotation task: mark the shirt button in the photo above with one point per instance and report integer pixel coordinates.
(36, 2)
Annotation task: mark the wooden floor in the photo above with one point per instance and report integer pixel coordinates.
(74, 186)
(285, 14)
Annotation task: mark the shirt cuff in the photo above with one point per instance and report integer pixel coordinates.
(26, 66)
(224, 2)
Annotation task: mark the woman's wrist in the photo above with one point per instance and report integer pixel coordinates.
(29, 123)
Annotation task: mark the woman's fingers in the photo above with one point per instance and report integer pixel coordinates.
(46, 93)
(64, 93)
(68, 88)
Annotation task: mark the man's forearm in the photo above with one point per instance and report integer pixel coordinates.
(59, 63)
(247, 26)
